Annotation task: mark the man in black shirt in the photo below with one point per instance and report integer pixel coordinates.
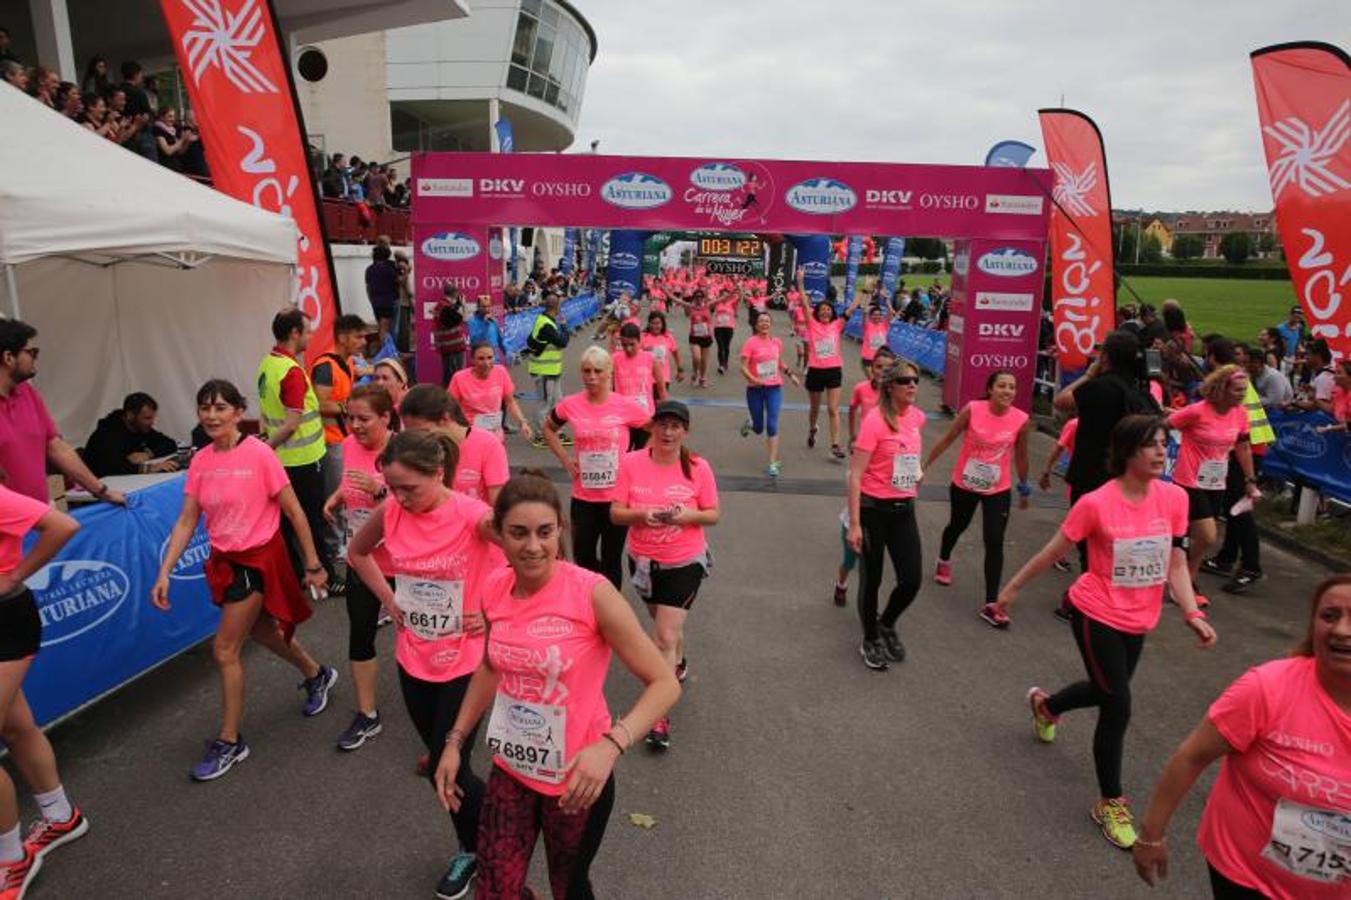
(138, 111)
(125, 441)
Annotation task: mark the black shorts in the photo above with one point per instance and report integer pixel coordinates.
(819, 380)
(1203, 504)
(701, 341)
(20, 626)
(247, 581)
(676, 586)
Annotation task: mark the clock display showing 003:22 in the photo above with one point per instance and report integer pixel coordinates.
(744, 248)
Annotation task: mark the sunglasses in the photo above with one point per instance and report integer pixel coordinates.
(904, 379)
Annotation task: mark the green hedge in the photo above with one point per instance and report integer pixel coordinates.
(869, 270)
(1207, 270)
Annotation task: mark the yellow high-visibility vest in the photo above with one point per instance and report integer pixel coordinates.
(306, 444)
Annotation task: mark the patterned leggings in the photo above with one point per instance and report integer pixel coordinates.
(510, 822)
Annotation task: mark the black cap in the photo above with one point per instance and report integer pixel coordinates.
(673, 408)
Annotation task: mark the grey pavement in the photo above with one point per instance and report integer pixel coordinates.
(794, 771)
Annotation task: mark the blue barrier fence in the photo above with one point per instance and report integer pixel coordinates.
(99, 630)
(516, 326)
(925, 347)
(1303, 456)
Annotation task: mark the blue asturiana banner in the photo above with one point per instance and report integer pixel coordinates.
(925, 347)
(566, 263)
(1009, 154)
(99, 630)
(1304, 455)
(891, 265)
(853, 256)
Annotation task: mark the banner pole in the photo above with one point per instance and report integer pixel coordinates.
(12, 283)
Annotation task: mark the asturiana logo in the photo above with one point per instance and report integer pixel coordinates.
(717, 176)
(636, 190)
(550, 627)
(451, 245)
(624, 260)
(1007, 262)
(821, 196)
(814, 269)
(1302, 441)
(76, 595)
(525, 718)
(495, 246)
(189, 565)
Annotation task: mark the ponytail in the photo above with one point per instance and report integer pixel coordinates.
(424, 452)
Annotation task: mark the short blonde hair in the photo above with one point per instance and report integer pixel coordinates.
(1217, 380)
(597, 357)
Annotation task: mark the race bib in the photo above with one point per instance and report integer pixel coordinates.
(432, 609)
(642, 400)
(659, 352)
(599, 468)
(1311, 843)
(699, 329)
(876, 341)
(724, 320)
(489, 421)
(1140, 562)
(980, 477)
(766, 370)
(529, 737)
(354, 517)
(825, 347)
(1211, 474)
(905, 471)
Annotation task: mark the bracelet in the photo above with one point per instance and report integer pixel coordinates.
(455, 737)
(1024, 489)
(1141, 842)
(1194, 615)
(315, 571)
(619, 723)
(618, 746)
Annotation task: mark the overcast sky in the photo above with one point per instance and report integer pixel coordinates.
(1168, 83)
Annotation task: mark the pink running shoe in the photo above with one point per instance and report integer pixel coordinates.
(943, 574)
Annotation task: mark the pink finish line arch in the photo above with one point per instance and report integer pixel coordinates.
(998, 217)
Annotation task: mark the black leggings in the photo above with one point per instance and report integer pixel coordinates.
(890, 526)
(363, 612)
(1226, 889)
(1241, 541)
(724, 338)
(433, 706)
(1109, 658)
(591, 526)
(308, 483)
(994, 518)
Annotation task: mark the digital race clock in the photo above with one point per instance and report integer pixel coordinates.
(742, 248)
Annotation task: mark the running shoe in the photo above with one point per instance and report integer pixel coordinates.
(1114, 817)
(539, 443)
(1202, 601)
(423, 765)
(455, 883)
(836, 451)
(46, 836)
(1241, 581)
(874, 655)
(15, 877)
(773, 469)
(891, 643)
(362, 729)
(317, 688)
(841, 594)
(1062, 612)
(565, 440)
(1043, 726)
(221, 757)
(746, 428)
(1063, 564)
(682, 670)
(811, 437)
(1215, 566)
(721, 370)
(337, 586)
(943, 572)
(659, 738)
(994, 616)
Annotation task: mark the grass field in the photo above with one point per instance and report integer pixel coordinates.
(1236, 309)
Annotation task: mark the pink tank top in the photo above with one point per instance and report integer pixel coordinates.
(986, 457)
(552, 660)
(633, 377)
(357, 504)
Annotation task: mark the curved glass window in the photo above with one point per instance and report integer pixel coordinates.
(550, 54)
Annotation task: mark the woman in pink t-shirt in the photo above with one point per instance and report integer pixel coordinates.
(639, 377)
(1212, 428)
(389, 374)
(994, 441)
(1136, 529)
(763, 368)
(863, 398)
(876, 327)
(20, 640)
(724, 327)
(701, 338)
(658, 341)
(825, 366)
(601, 420)
(1277, 822)
(440, 547)
(239, 484)
(484, 389)
(666, 497)
(884, 477)
(481, 469)
(552, 627)
(362, 490)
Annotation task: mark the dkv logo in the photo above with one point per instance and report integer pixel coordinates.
(452, 246)
(1007, 262)
(821, 196)
(190, 565)
(636, 190)
(717, 176)
(77, 595)
(999, 331)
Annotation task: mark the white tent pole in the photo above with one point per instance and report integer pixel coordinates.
(13, 284)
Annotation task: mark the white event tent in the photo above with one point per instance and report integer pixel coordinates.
(136, 278)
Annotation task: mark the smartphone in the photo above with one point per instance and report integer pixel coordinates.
(1153, 364)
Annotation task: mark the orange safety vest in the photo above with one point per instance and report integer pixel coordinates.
(335, 429)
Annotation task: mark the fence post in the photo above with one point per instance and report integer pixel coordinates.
(1308, 506)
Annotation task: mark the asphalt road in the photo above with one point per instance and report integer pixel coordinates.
(794, 771)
